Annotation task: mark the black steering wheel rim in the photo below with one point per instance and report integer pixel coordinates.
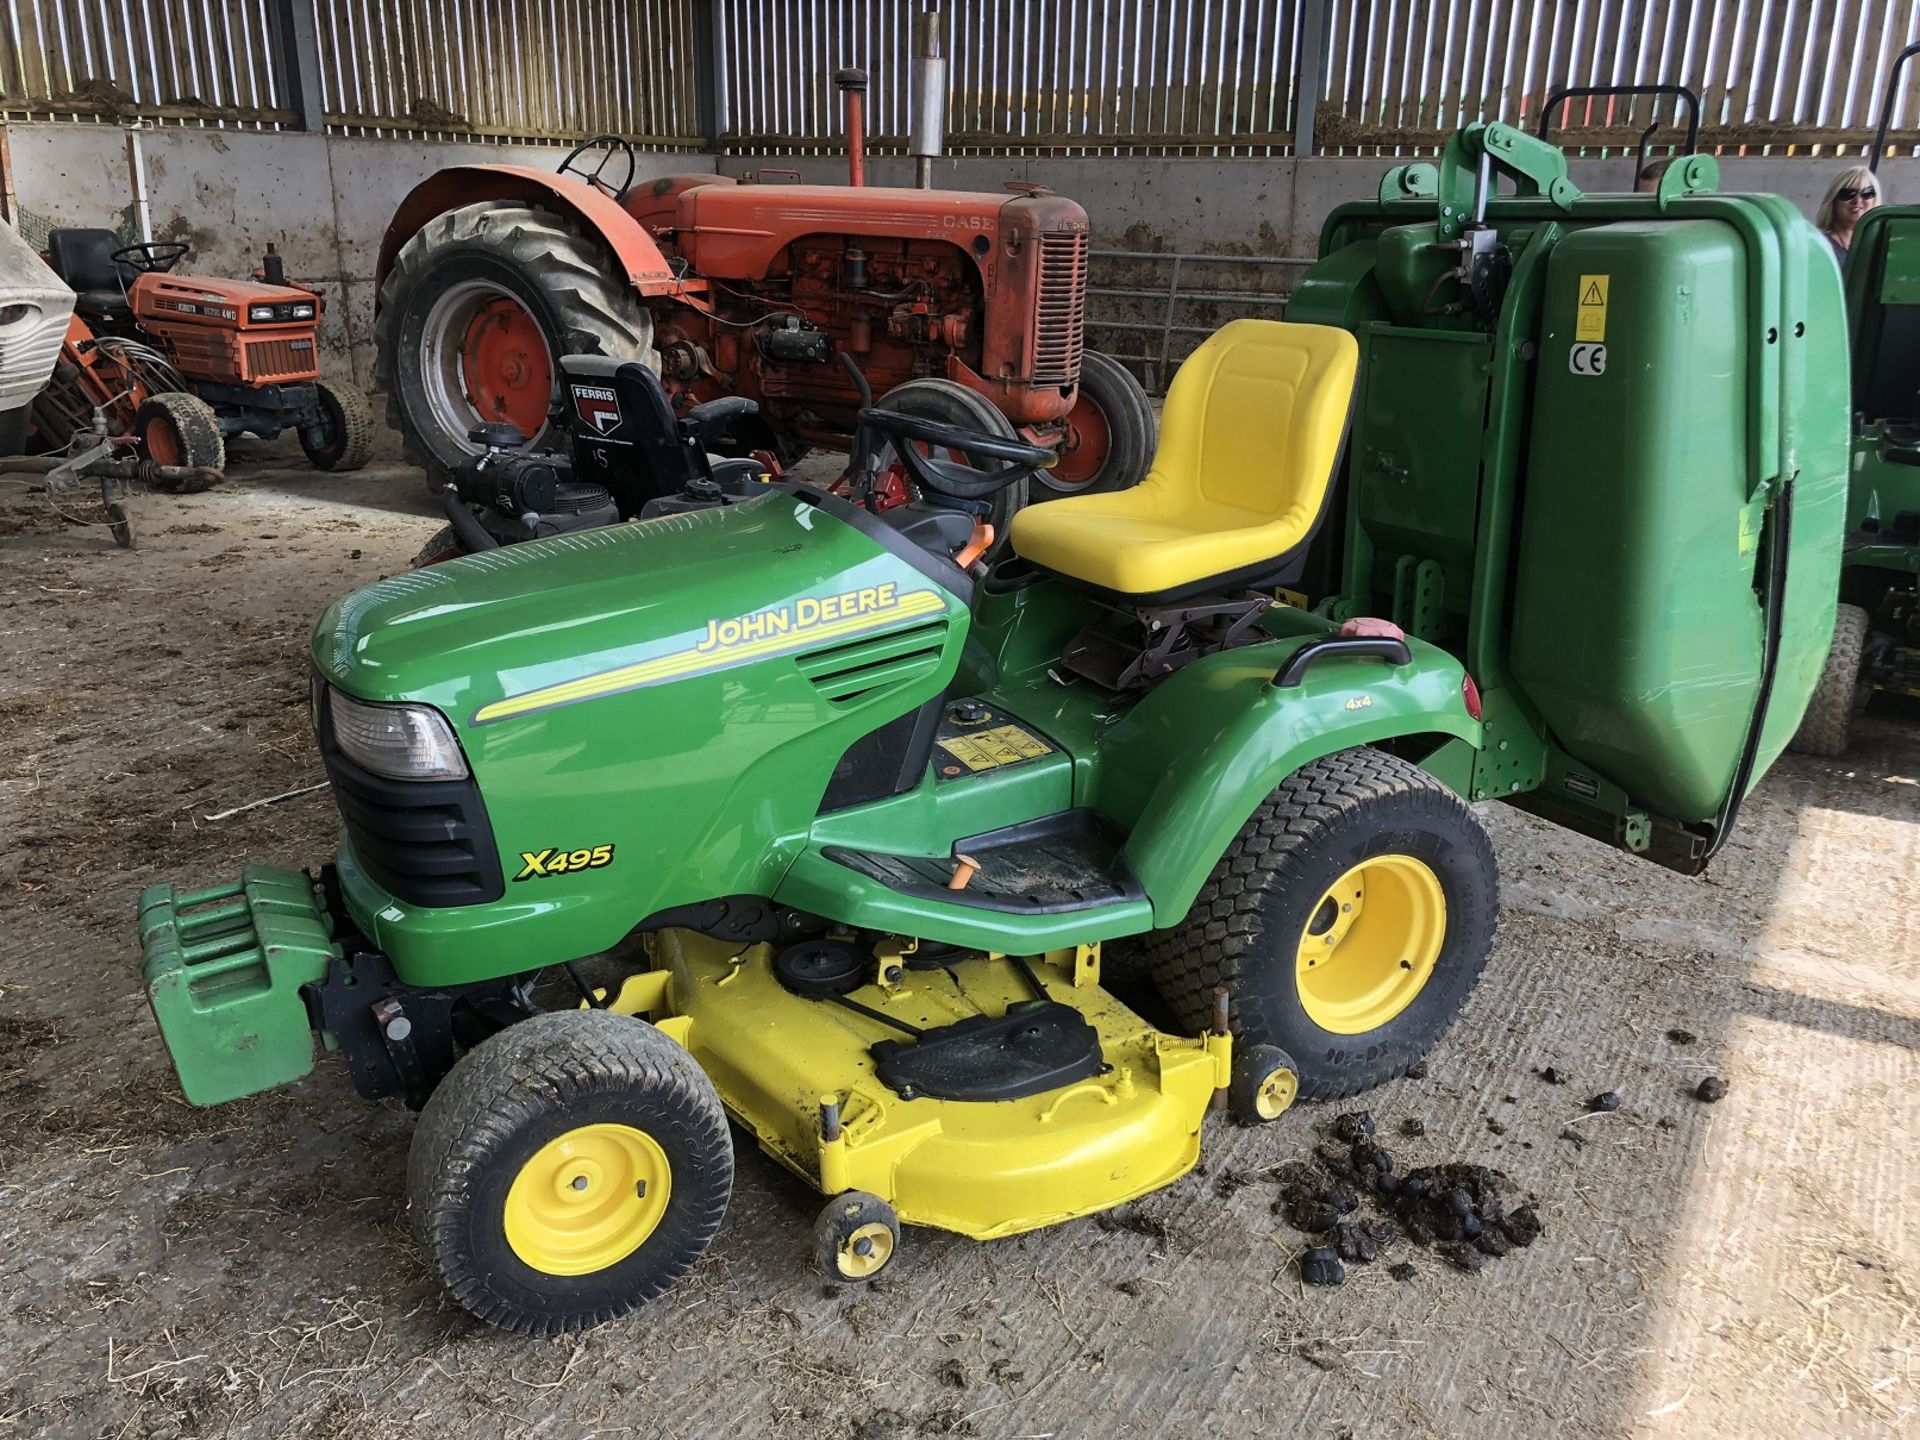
(950, 476)
(613, 145)
(151, 257)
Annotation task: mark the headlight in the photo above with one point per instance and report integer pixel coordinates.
(303, 312)
(9, 314)
(260, 312)
(401, 742)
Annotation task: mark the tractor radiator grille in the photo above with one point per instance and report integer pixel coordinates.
(276, 361)
(850, 672)
(1060, 329)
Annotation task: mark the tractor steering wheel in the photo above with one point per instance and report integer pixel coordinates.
(614, 145)
(951, 477)
(151, 257)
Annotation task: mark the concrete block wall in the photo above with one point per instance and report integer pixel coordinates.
(1269, 207)
(323, 201)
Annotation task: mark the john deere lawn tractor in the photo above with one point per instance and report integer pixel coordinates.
(769, 811)
(1876, 638)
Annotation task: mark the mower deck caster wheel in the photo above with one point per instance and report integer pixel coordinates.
(855, 1237)
(1265, 1083)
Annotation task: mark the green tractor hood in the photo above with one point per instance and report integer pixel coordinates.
(673, 696)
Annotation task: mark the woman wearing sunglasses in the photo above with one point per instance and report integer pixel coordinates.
(1853, 193)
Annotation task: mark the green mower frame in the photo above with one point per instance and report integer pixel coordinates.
(1876, 638)
(851, 827)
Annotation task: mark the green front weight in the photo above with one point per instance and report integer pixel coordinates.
(224, 969)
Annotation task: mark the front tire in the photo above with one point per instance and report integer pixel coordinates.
(1349, 920)
(1111, 433)
(474, 316)
(1843, 689)
(568, 1169)
(343, 440)
(175, 428)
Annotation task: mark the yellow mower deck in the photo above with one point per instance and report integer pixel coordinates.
(982, 1169)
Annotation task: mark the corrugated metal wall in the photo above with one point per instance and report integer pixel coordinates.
(511, 69)
(1146, 77)
(1769, 73)
(1024, 76)
(182, 61)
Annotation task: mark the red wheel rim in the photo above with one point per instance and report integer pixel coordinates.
(162, 442)
(506, 367)
(1084, 449)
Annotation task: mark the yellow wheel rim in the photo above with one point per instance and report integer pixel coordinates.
(1276, 1093)
(864, 1251)
(588, 1199)
(1370, 944)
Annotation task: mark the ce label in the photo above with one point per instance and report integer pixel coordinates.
(1587, 360)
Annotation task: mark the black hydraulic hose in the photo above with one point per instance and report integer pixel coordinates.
(472, 534)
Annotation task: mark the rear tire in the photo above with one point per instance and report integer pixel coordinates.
(344, 438)
(175, 428)
(1269, 926)
(14, 427)
(561, 278)
(1111, 433)
(1843, 689)
(952, 403)
(521, 1176)
(445, 545)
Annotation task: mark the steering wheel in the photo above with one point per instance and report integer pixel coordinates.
(950, 477)
(614, 145)
(151, 257)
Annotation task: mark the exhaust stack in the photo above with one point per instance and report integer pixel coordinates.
(930, 97)
(853, 84)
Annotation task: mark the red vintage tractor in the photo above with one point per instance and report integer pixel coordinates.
(180, 363)
(961, 307)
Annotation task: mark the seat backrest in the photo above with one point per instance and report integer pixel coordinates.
(1255, 418)
(84, 259)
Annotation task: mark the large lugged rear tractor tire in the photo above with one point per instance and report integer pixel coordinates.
(954, 404)
(1843, 689)
(474, 316)
(1349, 920)
(568, 1169)
(1111, 433)
(175, 428)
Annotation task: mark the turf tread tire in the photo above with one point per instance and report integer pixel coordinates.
(353, 413)
(1220, 941)
(197, 427)
(1840, 693)
(511, 1084)
(594, 310)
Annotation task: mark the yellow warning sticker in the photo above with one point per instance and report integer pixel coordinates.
(990, 749)
(1591, 323)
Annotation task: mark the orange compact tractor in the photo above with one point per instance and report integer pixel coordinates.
(181, 363)
(963, 308)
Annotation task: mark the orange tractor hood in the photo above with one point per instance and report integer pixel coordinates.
(214, 290)
(737, 231)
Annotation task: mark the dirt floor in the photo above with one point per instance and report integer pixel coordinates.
(1743, 1268)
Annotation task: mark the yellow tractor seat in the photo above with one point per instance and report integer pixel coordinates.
(1249, 441)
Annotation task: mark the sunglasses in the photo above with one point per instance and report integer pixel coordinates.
(1848, 192)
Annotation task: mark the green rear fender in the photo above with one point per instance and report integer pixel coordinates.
(1194, 760)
